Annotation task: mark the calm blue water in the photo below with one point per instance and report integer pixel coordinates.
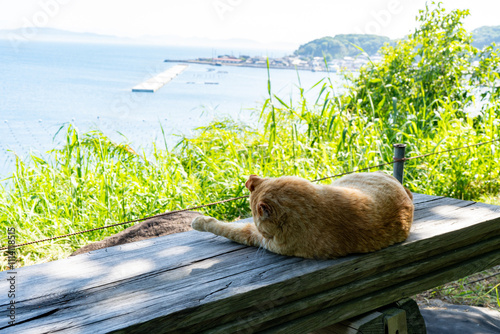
(44, 85)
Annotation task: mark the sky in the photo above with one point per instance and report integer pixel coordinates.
(264, 21)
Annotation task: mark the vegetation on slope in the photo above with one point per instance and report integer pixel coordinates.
(484, 36)
(341, 46)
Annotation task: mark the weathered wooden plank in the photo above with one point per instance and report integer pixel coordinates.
(196, 281)
(372, 323)
(414, 319)
(443, 205)
(54, 280)
(169, 284)
(421, 198)
(315, 302)
(375, 322)
(372, 301)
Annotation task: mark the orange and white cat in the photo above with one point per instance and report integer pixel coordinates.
(357, 213)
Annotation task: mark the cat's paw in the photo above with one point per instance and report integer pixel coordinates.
(201, 223)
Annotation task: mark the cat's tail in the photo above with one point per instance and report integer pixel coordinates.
(409, 193)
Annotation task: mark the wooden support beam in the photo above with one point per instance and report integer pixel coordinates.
(402, 317)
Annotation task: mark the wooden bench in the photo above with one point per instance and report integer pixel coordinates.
(196, 282)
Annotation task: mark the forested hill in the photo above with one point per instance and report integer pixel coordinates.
(341, 46)
(484, 36)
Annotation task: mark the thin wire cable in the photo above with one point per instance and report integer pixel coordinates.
(450, 150)
(356, 171)
(11, 247)
(468, 283)
(124, 223)
(482, 279)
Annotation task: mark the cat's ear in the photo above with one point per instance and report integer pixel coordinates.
(264, 210)
(253, 181)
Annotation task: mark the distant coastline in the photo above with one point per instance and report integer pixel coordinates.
(261, 63)
(314, 64)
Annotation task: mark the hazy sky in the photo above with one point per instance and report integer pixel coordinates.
(264, 21)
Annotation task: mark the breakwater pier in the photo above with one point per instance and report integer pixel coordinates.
(158, 81)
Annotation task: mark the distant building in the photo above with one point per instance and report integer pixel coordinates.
(227, 59)
(299, 62)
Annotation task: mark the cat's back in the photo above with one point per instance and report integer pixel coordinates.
(387, 215)
(377, 184)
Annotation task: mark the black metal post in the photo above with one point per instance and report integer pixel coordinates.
(399, 153)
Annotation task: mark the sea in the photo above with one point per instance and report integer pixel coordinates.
(47, 85)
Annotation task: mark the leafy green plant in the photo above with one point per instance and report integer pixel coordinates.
(435, 65)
